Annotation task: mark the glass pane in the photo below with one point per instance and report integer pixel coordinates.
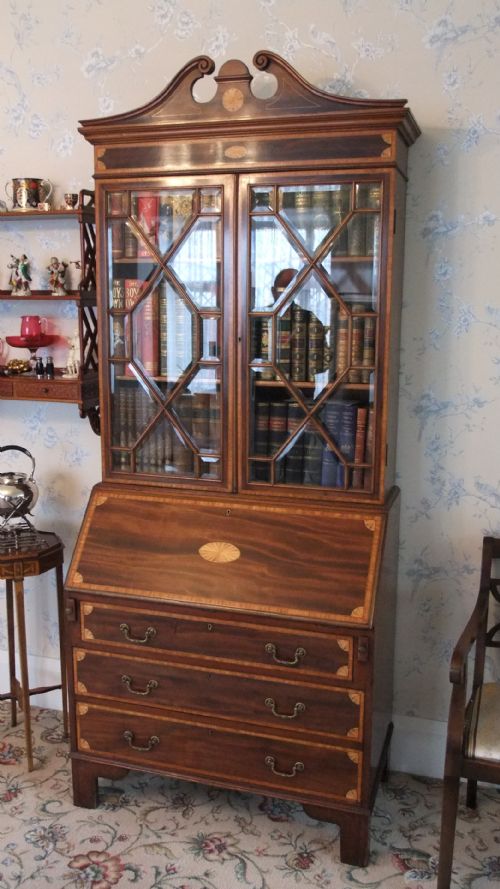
(178, 333)
(368, 195)
(127, 283)
(313, 212)
(181, 461)
(303, 334)
(117, 203)
(355, 282)
(132, 409)
(271, 254)
(121, 461)
(262, 198)
(145, 320)
(197, 263)
(205, 410)
(210, 200)
(176, 208)
(210, 338)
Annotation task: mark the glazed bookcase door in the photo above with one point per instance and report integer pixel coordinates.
(313, 309)
(166, 318)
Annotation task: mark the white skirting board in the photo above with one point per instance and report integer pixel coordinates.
(417, 746)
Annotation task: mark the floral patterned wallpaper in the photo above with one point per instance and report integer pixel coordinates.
(65, 60)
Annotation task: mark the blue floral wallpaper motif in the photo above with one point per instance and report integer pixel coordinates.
(65, 60)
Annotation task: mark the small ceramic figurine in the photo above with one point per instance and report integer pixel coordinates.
(57, 275)
(20, 277)
(73, 362)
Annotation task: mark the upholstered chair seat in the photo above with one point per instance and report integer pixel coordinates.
(482, 727)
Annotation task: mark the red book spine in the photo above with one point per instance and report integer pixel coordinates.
(147, 217)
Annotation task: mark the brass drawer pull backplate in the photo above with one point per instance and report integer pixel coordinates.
(129, 737)
(299, 653)
(149, 634)
(298, 708)
(271, 763)
(127, 680)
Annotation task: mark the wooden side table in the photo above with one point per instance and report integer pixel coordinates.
(28, 554)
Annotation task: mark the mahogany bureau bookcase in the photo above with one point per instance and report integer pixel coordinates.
(230, 602)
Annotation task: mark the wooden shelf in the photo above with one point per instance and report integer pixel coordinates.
(39, 214)
(72, 295)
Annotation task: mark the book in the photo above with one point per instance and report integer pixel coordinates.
(284, 341)
(356, 235)
(359, 445)
(331, 417)
(162, 329)
(277, 433)
(131, 292)
(341, 343)
(147, 218)
(357, 342)
(200, 407)
(117, 227)
(261, 438)
(313, 456)
(368, 473)
(332, 339)
(368, 357)
(298, 343)
(118, 293)
(165, 223)
(315, 347)
(294, 460)
(148, 340)
(346, 439)
(129, 236)
(182, 455)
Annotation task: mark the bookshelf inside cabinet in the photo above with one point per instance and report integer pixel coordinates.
(246, 528)
(81, 388)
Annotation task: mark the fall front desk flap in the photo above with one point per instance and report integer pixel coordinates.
(232, 553)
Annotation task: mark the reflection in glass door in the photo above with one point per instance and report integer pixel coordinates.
(165, 321)
(313, 323)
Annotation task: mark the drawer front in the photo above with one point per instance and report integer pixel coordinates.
(200, 751)
(297, 653)
(282, 705)
(56, 390)
(6, 388)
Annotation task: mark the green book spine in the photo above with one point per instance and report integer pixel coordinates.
(298, 343)
(277, 433)
(315, 347)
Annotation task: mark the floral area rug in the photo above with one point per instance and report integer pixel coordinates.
(154, 833)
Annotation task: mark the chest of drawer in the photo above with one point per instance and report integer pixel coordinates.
(283, 705)
(196, 748)
(291, 651)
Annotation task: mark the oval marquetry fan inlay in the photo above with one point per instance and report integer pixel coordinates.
(219, 551)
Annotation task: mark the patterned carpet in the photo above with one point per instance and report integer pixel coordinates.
(150, 833)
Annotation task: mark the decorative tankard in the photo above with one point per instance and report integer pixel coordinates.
(27, 193)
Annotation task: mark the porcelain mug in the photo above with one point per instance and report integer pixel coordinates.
(32, 325)
(27, 193)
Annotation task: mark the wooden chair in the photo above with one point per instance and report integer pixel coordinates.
(473, 738)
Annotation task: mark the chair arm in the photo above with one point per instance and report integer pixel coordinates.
(467, 639)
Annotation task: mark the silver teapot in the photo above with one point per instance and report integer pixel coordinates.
(18, 491)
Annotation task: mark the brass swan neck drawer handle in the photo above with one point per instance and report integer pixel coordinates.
(299, 653)
(270, 702)
(127, 680)
(271, 763)
(149, 634)
(129, 737)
